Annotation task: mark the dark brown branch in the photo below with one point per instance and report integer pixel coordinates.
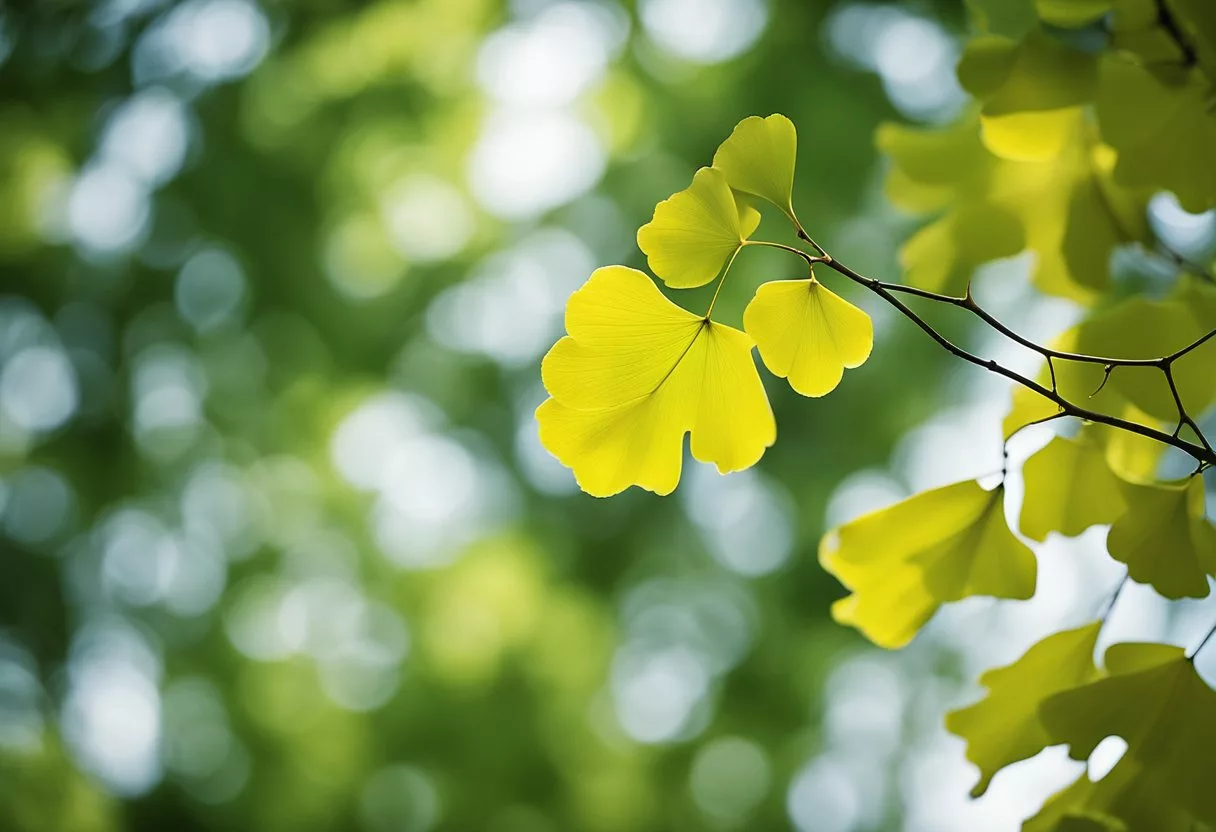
(1202, 453)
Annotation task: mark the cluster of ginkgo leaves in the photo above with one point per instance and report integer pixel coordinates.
(1084, 110)
(636, 372)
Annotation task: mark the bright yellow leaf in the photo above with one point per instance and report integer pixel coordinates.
(1069, 487)
(695, 232)
(1153, 699)
(1165, 538)
(808, 334)
(758, 158)
(1004, 726)
(635, 374)
(905, 561)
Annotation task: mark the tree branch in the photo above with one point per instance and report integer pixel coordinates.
(1202, 452)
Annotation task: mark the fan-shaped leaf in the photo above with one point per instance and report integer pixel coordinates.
(1153, 699)
(634, 375)
(808, 334)
(695, 232)
(1165, 538)
(1004, 727)
(759, 157)
(904, 562)
(1069, 487)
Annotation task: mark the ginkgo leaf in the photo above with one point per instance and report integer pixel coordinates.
(1004, 727)
(1144, 328)
(1158, 704)
(808, 334)
(636, 373)
(1066, 209)
(1032, 90)
(905, 561)
(758, 158)
(1072, 13)
(1011, 18)
(1163, 129)
(695, 232)
(1125, 800)
(1069, 487)
(1165, 538)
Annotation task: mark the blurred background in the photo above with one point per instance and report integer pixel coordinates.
(279, 549)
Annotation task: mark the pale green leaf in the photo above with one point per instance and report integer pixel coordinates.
(905, 561)
(1004, 727)
(1069, 487)
(1165, 538)
(1158, 704)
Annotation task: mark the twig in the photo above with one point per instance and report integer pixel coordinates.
(1202, 452)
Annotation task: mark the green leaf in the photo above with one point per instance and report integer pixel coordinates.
(808, 334)
(1004, 727)
(905, 561)
(695, 232)
(1031, 91)
(1165, 538)
(1010, 18)
(1141, 328)
(1072, 14)
(1163, 129)
(1069, 487)
(1125, 800)
(1158, 704)
(758, 158)
(1065, 208)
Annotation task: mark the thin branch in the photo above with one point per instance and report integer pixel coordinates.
(1202, 453)
(1114, 598)
(1192, 654)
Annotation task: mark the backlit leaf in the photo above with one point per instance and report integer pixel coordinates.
(1165, 539)
(1125, 800)
(759, 157)
(1066, 208)
(1158, 704)
(636, 373)
(905, 561)
(1069, 487)
(695, 232)
(808, 334)
(1031, 90)
(1004, 727)
(1163, 129)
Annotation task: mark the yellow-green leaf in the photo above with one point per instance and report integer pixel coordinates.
(1158, 704)
(1125, 800)
(905, 561)
(1165, 538)
(1031, 89)
(636, 373)
(1163, 128)
(1143, 328)
(1004, 727)
(808, 334)
(1066, 209)
(758, 158)
(1072, 13)
(1069, 487)
(695, 232)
